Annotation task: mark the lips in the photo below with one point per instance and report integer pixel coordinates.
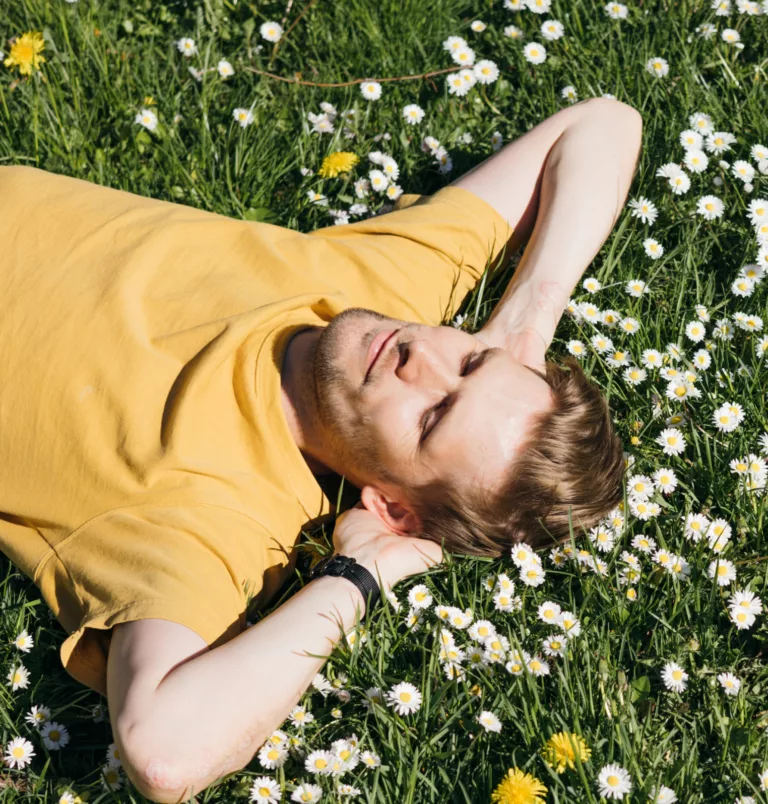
(376, 349)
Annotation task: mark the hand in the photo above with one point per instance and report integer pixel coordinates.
(362, 536)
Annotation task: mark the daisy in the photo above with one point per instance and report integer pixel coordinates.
(695, 331)
(147, 118)
(664, 795)
(717, 142)
(371, 90)
(489, 721)
(613, 781)
(532, 574)
(644, 209)
(24, 642)
(745, 600)
(538, 666)
(695, 160)
(577, 348)
(19, 752)
(18, 677)
(535, 53)
(464, 57)
(271, 31)
(742, 619)
(569, 623)
(700, 122)
(225, 69)
(55, 736)
(710, 207)
(723, 571)
(457, 86)
(552, 30)
(630, 325)
(478, 26)
(672, 440)
(653, 248)
(186, 46)
(743, 170)
(306, 793)
(405, 698)
(652, 358)
(729, 683)
(706, 30)
(420, 597)
(413, 113)
(691, 139)
(640, 486)
(680, 183)
(522, 554)
(758, 211)
(539, 6)
(513, 32)
(616, 11)
(38, 716)
(265, 790)
(549, 612)
(243, 116)
(453, 43)
(634, 375)
(553, 646)
(645, 544)
(674, 677)
(569, 93)
(702, 359)
(486, 71)
(617, 358)
(657, 66)
(665, 480)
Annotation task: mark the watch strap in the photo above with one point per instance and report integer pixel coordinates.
(347, 567)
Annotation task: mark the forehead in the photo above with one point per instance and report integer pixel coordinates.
(489, 421)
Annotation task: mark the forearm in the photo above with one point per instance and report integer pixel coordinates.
(210, 715)
(584, 185)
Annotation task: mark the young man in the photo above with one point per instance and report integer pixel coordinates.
(172, 381)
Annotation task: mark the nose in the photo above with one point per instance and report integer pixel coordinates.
(421, 365)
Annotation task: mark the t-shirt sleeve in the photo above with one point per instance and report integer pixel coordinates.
(197, 565)
(424, 256)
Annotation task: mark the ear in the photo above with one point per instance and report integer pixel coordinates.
(396, 517)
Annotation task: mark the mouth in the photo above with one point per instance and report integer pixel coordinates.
(376, 349)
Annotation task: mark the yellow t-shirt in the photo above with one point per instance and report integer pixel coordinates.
(146, 466)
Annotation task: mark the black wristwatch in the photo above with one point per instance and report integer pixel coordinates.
(346, 567)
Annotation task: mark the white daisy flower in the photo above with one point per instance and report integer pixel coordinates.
(489, 721)
(610, 318)
(513, 32)
(225, 69)
(535, 53)
(653, 248)
(700, 122)
(539, 6)
(265, 790)
(680, 183)
(613, 781)
(307, 793)
(616, 11)
(486, 71)
(718, 142)
(569, 623)
(453, 43)
(652, 358)
(478, 26)
(552, 30)
(634, 375)
(371, 90)
(706, 30)
(644, 209)
(549, 612)
(243, 116)
(695, 331)
(18, 677)
(657, 66)
(404, 697)
(695, 160)
(186, 46)
(147, 118)
(722, 570)
(742, 286)
(710, 207)
(645, 544)
(18, 752)
(674, 677)
(271, 31)
(413, 113)
(554, 646)
(730, 35)
(464, 56)
(691, 139)
(532, 574)
(636, 287)
(420, 597)
(664, 795)
(743, 170)
(730, 683)
(672, 440)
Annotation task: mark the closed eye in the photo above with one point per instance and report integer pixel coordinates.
(430, 422)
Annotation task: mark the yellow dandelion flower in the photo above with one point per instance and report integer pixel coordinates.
(25, 52)
(562, 749)
(338, 162)
(518, 787)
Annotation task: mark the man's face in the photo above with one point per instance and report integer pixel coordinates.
(422, 412)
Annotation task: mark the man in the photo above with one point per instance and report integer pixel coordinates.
(173, 381)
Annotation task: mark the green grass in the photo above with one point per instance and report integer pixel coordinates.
(77, 117)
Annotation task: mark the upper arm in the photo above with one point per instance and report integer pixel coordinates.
(510, 179)
(141, 654)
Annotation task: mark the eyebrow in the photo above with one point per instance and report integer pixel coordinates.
(480, 361)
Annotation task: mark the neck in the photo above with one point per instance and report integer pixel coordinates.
(297, 399)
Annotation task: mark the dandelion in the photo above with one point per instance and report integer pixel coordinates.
(271, 31)
(338, 162)
(535, 53)
(25, 52)
(371, 90)
(518, 787)
(562, 750)
(613, 781)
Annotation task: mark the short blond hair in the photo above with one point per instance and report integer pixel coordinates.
(571, 464)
